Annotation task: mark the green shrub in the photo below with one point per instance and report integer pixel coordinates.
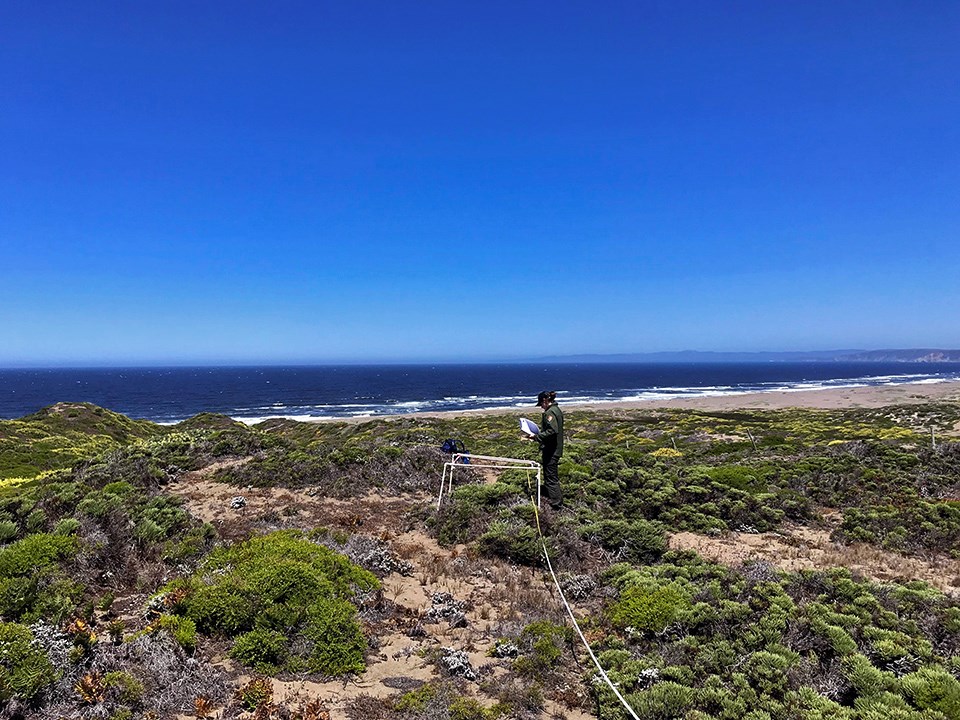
(888, 651)
(748, 479)
(33, 553)
(182, 629)
(147, 531)
(639, 540)
(8, 530)
(951, 619)
(67, 526)
(542, 643)
(864, 677)
(222, 609)
(263, 650)
(512, 541)
(470, 508)
(30, 580)
(277, 593)
(338, 644)
(100, 503)
(416, 700)
(261, 554)
(767, 669)
(126, 687)
(841, 641)
(664, 701)
(25, 669)
(35, 521)
(193, 543)
(464, 708)
(164, 512)
(932, 688)
(650, 607)
(808, 704)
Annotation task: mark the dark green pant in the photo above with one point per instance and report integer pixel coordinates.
(551, 480)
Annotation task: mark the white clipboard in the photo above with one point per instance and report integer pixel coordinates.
(529, 427)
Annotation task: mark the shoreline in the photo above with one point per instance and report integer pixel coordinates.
(839, 398)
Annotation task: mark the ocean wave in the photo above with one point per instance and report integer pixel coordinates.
(299, 418)
(169, 396)
(600, 396)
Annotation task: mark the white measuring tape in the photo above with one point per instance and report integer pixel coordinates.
(573, 620)
(501, 463)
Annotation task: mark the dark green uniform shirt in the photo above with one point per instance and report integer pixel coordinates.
(551, 431)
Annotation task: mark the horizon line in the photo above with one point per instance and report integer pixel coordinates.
(516, 360)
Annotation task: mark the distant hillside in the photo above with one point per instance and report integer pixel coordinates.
(88, 419)
(923, 355)
(57, 436)
(697, 356)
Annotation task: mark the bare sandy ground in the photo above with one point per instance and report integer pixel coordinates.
(796, 547)
(829, 399)
(826, 399)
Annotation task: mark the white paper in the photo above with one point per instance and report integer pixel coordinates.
(529, 427)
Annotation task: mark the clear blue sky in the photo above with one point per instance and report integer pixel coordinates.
(312, 181)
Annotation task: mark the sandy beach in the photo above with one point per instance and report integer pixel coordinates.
(826, 399)
(823, 399)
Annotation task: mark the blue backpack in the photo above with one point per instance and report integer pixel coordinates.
(452, 446)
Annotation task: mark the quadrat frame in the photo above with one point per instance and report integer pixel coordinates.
(468, 460)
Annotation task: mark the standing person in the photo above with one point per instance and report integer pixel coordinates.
(551, 445)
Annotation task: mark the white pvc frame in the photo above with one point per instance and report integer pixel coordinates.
(486, 461)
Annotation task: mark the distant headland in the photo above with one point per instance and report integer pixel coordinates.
(925, 355)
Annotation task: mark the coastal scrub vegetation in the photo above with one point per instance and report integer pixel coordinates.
(283, 600)
(118, 601)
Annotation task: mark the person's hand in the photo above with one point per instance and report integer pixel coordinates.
(526, 438)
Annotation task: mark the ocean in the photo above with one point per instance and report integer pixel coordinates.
(251, 394)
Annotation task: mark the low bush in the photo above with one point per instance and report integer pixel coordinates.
(664, 701)
(8, 530)
(463, 708)
(418, 699)
(283, 599)
(468, 511)
(932, 689)
(32, 583)
(542, 644)
(25, 669)
(513, 541)
(35, 553)
(263, 650)
(182, 629)
(650, 607)
(746, 478)
(640, 541)
(126, 688)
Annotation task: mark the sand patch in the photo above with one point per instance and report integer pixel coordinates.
(798, 548)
